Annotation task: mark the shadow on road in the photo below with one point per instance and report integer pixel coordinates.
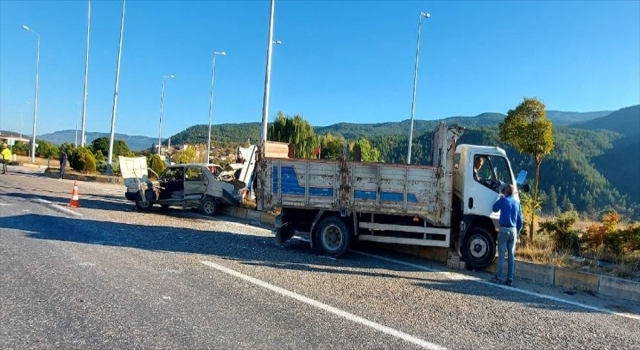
(102, 202)
(248, 250)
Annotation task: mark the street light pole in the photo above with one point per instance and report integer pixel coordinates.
(86, 76)
(115, 96)
(415, 84)
(162, 111)
(213, 73)
(267, 79)
(35, 100)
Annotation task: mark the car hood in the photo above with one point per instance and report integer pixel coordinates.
(134, 170)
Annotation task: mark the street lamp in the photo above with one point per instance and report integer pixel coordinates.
(86, 76)
(213, 73)
(35, 100)
(171, 76)
(115, 96)
(415, 83)
(267, 78)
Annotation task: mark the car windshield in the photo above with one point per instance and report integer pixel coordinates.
(172, 174)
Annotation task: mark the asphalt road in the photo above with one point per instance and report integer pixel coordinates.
(106, 276)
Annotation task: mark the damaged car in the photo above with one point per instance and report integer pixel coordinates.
(183, 185)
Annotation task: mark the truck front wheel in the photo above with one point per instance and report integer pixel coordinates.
(333, 236)
(479, 248)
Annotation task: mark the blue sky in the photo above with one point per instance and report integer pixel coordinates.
(341, 61)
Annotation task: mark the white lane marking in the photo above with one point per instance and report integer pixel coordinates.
(56, 206)
(351, 317)
(459, 276)
(3, 204)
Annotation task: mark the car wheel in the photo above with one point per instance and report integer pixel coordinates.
(209, 206)
(143, 205)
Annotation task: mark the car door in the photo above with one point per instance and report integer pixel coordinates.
(195, 184)
(172, 183)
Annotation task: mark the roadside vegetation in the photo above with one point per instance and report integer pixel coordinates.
(606, 246)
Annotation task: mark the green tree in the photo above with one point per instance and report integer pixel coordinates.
(294, 130)
(21, 148)
(99, 156)
(551, 202)
(47, 149)
(368, 152)
(331, 146)
(529, 131)
(155, 163)
(185, 156)
(120, 148)
(566, 204)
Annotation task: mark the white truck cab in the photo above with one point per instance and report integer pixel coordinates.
(480, 175)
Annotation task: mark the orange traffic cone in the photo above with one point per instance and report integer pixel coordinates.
(75, 200)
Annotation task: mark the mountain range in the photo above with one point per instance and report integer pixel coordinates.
(135, 142)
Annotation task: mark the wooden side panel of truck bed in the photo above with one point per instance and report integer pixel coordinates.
(367, 187)
(352, 187)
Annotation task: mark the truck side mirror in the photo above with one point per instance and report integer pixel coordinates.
(525, 189)
(521, 176)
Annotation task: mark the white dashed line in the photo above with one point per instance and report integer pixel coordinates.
(56, 206)
(351, 317)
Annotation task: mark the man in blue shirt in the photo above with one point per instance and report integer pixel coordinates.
(510, 226)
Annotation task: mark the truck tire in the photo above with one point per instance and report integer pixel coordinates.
(333, 237)
(208, 206)
(143, 205)
(479, 248)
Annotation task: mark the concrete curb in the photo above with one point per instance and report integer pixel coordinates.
(576, 280)
(31, 165)
(87, 178)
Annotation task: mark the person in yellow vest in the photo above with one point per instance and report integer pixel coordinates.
(5, 157)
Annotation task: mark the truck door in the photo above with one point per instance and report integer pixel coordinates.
(489, 175)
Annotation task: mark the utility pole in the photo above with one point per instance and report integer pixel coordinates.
(86, 76)
(115, 96)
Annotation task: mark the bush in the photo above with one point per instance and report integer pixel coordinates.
(562, 234)
(81, 159)
(630, 238)
(605, 234)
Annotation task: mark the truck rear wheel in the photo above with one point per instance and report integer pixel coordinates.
(333, 236)
(479, 248)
